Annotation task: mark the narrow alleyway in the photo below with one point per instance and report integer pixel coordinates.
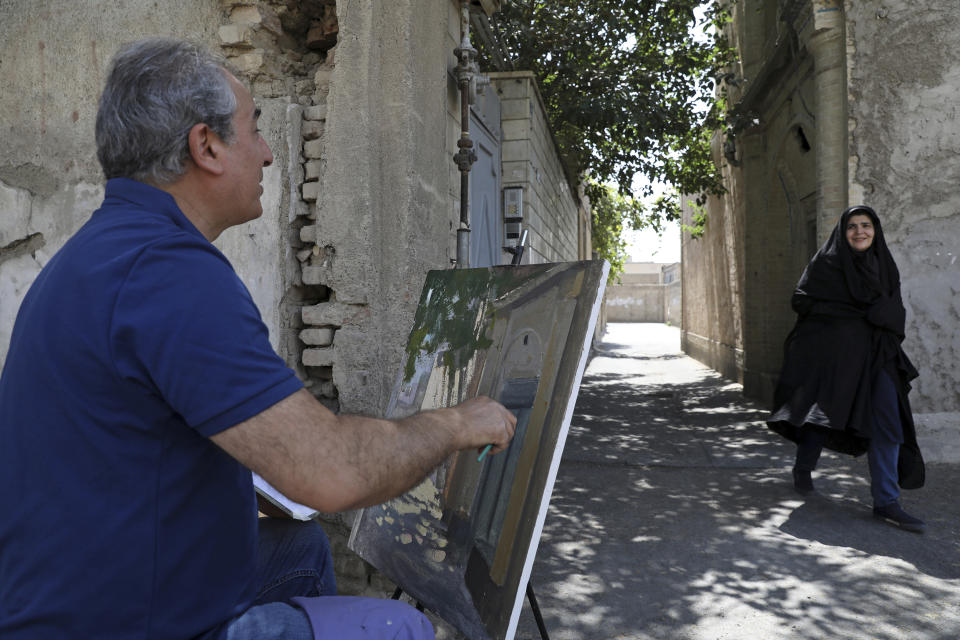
(673, 518)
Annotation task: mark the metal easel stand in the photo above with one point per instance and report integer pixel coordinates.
(399, 592)
(536, 612)
(531, 598)
(517, 251)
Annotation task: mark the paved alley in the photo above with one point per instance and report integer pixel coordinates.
(673, 517)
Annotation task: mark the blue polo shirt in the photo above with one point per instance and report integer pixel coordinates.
(119, 518)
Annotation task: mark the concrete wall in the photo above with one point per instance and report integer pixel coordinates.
(52, 59)
(635, 303)
(644, 295)
(904, 88)
(552, 210)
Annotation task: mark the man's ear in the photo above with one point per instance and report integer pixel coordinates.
(206, 149)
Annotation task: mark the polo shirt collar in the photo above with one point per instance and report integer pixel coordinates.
(144, 196)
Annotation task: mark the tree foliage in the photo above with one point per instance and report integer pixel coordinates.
(629, 91)
(612, 213)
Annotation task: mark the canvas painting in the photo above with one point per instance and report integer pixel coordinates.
(463, 542)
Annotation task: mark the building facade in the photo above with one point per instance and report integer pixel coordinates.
(832, 103)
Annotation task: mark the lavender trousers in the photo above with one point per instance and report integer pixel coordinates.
(297, 600)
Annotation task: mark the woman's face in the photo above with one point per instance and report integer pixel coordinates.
(859, 232)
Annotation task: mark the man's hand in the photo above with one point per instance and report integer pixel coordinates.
(487, 422)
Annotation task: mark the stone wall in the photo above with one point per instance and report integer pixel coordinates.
(903, 91)
(383, 206)
(285, 52)
(553, 212)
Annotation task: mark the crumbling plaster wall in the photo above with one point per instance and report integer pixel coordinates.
(904, 92)
(53, 56)
(286, 51)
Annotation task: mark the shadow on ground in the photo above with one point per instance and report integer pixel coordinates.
(673, 517)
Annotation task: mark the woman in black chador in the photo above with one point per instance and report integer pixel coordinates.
(845, 378)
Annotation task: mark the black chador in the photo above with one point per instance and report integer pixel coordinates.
(850, 326)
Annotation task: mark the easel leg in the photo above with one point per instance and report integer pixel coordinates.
(536, 612)
(531, 597)
(396, 596)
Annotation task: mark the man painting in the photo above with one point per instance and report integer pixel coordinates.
(140, 389)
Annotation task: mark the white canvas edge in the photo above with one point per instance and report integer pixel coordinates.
(555, 463)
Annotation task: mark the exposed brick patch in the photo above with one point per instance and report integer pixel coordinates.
(22, 246)
(285, 48)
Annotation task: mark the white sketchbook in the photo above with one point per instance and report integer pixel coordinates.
(295, 510)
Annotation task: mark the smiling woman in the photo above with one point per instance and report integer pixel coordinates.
(845, 377)
(859, 232)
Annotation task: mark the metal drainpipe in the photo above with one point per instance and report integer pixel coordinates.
(466, 72)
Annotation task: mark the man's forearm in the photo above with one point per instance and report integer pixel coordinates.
(386, 458)
(333, 463)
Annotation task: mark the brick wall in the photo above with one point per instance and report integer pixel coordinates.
(286, 52)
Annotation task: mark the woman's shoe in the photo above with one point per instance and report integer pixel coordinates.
(802, 482)
(894, 514)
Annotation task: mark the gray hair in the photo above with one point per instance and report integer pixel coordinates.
(156, 91)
